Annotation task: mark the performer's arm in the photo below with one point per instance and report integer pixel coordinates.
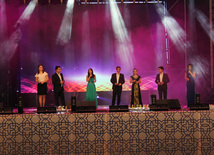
(37, 79)
(167, 79)
(95, 79)
(139, 81)
(87, 78)
(112, 79)
(186, 78)
(192, 74)
(131, 81)
(46, 80)
(63, 81)
(123, 80)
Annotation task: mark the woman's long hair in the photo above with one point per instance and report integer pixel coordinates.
(191, 67)
(92, 72)
(38, 69)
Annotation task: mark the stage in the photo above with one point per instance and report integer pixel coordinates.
(146, 132)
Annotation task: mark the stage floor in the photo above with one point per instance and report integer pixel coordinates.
(101, 108)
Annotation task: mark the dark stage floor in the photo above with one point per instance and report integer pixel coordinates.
(101, 108)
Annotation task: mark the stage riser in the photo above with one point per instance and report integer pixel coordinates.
(181, 132)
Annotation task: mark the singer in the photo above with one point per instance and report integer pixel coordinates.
(162, 79)
(117, 80)
(58, 83)
(189, 76)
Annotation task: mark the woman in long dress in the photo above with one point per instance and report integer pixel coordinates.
(41, 78)
(135, 79)
(91, 94)
(190, 78)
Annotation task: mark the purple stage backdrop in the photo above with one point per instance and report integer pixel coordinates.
(93, 36)
(92, 44)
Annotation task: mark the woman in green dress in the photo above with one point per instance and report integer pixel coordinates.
(135, 79)
(91, 94)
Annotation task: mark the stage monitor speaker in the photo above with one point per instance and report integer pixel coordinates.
(173, 104)
(85, 106)
(197, 98)
(120, 108)
(201, 106)
(73, 103)
(160, 105)
(153, 99)
(20, 105)
(6, 110)
(46, 110)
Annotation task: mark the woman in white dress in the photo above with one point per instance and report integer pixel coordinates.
(41, 79)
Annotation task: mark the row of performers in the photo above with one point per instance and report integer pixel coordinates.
(117, 80)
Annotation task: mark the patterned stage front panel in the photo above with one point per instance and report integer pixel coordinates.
(175, 132)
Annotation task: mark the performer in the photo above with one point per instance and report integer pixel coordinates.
(58, 82)
(91, 94)
(162, 79)
(41, 78)
(135, 79)
(117, 79)
(189, 76)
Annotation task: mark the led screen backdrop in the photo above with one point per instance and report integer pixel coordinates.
(93, 36)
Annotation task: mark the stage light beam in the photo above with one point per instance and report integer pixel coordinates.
(3, 21)
(124, 45)
(64, 34)
(27, 12)
(175, 32)
(205, 23)
(10, 44)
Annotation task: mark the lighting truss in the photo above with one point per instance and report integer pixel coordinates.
(46, 2)
(118, 1)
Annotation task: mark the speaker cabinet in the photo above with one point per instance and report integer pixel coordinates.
(85, 106)
(165, 105)
(120, 108)
(46, 110)
(6, 110)
(73, 103)
(197, 98)
(158, 107)
(153, 99)
(172, 103)
(201, 106)
(20, 105)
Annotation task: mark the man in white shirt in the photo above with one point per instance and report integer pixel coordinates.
(162, 79)
(117, 79)
(58, 82)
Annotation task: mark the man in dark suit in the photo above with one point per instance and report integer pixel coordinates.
(162, 79)
(58, 82)
(117, 79)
